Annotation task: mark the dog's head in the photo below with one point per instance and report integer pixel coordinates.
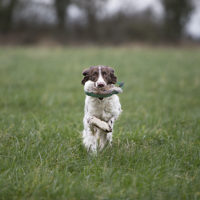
(100, 75)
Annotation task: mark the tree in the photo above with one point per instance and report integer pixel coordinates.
(6, 14)
(61, 7)
(91, 9)
(176, 16)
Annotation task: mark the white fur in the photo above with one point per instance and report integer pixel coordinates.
(99, 119)
(100, 79)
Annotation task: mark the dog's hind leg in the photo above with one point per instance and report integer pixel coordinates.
(89, 141)
(102, 140)
(109, 135)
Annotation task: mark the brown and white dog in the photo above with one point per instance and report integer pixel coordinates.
(99, 113)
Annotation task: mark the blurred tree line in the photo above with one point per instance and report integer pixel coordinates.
(92, 25)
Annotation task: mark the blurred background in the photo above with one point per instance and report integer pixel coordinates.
(99, 21)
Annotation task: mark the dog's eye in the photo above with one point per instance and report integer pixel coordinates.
(104, 73)
(95, 73)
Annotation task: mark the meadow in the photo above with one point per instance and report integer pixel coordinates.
(156, 142)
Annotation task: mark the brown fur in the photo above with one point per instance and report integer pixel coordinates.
(92, 74)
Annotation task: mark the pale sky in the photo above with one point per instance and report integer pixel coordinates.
(136, 5)
(192, 28)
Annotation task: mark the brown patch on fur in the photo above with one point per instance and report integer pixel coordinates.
(108, 75)
(92, 74)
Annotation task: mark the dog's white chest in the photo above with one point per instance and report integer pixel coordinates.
(102, 109)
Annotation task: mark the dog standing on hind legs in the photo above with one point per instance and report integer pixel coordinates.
(99, 113)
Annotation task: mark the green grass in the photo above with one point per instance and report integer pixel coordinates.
(156, 144)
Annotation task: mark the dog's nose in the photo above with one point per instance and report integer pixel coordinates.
(100, 85)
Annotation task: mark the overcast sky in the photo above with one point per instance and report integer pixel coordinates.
(192, 28)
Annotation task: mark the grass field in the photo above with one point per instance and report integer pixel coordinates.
(156, 144)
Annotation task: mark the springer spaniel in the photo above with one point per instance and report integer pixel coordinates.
(99, 113)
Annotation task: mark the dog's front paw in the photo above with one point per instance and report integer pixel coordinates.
(108, 128)
(99, 123)
(105, 127)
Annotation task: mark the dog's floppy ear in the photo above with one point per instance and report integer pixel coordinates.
(113, 78)
(86, 75)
